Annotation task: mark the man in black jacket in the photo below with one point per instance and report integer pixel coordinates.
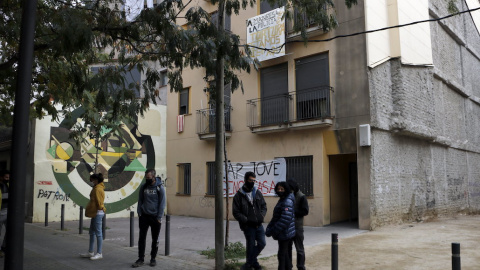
(301, 210)
(249, 208)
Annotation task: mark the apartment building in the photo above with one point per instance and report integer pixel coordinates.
(377, 128)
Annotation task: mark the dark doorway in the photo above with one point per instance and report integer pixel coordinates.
(343, 188)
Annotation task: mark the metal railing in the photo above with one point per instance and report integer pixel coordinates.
(309, 104)
(206, 120)
(302, 18)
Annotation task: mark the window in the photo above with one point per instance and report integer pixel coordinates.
(228, 21)
(312, 86)
(274, 94)
(163, 78)
(266, 7)
(184, 100)
(301, 169)
(211, 178)
(227, 97)
(184, 178)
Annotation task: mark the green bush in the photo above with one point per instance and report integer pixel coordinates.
(233, 251)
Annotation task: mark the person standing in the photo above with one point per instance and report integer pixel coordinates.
(282, 225)
(301, 210)
(151, 204)
(96, 210)
(249, 209)
(4, 182)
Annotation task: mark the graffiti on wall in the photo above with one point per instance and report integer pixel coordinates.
(53, 195)
(122, 159)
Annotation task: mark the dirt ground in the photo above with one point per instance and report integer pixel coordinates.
(425, 245)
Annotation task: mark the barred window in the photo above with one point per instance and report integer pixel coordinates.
(301, 169)
(184, 178)
(211, 178)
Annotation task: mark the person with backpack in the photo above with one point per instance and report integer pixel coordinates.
(301, 210)
(96, 210)
(151, 204)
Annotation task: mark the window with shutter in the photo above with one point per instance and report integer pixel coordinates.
(184, 100)
(312, 86)
(274, 94)
(184, 178)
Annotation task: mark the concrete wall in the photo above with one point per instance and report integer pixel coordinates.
(426, 128)
(62, 168)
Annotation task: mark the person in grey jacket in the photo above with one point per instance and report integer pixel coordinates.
(151, 204)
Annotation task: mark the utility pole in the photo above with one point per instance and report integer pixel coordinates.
(16, 205)
(219, 144)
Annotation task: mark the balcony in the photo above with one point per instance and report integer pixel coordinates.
(296, 110)
(312, 29)
(206, 123)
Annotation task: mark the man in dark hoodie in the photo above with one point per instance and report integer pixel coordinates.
(249, 208)
(301, 210)
(151, 204)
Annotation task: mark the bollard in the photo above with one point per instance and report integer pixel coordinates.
(167, 236)
(456, 256)
(46, 214)
(62, 221)
(132, 236)
(80, 225)
(334, 251)
(104, 224)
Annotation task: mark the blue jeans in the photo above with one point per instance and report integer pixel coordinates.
(255, 238)
(95, 231)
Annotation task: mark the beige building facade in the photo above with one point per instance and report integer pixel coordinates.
(292, 108)
(377, 128)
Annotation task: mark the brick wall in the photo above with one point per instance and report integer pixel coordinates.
(426, 128)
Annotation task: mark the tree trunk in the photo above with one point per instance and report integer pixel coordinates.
(227, 189)
(219, 133)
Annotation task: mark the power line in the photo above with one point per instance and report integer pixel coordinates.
(279, 48)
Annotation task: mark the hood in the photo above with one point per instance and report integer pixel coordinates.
(158, 182)
(100, 185)
(254, 190)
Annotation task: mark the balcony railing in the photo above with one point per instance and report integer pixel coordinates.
(206, 122)
(291, 109)
(312, 29)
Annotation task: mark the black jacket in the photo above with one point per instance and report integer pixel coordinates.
(301, 209)
(246, 213)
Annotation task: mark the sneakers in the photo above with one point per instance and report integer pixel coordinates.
(153, 263)
(97, 256)
(87, 255)
(138, 263)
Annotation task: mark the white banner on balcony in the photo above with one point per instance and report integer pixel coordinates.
(268, 172)
(267, 31)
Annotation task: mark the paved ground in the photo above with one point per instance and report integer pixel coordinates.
(407, 246)
(51, 248)
(410, 246)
